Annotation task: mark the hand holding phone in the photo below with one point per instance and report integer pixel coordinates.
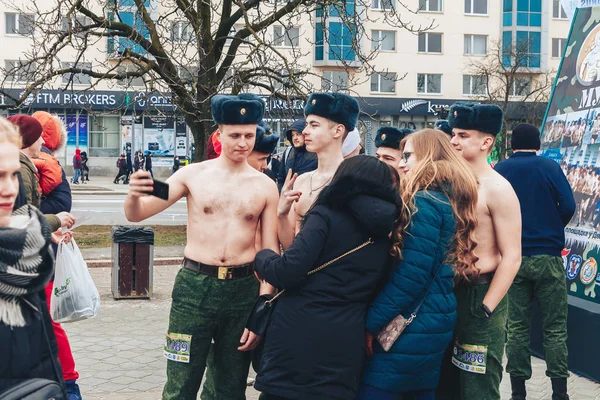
(161, 190)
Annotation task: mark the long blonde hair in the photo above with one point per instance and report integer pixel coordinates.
(9, 133)
(441, 168)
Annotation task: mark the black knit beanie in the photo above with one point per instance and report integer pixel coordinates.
(525, 137)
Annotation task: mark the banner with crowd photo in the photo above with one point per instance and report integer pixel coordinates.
(571, 137)
(159, 135)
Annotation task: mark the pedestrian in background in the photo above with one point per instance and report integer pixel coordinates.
(315, 345)
(432, 244)
(136, 161)
(77, 166)
(129, 166)
(148, 163)
(296, 157)
(86, 169)
(175, 164)
(122, 166)
(547, 206)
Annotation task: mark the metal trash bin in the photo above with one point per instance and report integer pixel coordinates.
(133, 262)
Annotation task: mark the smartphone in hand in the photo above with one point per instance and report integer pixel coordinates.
(161, 190)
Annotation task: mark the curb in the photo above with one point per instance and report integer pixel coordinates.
(108, 263)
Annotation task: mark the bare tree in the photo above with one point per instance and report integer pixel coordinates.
(506, 77)
(193, 49)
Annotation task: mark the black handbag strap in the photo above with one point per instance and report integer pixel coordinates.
(416, 311)
(57, 371)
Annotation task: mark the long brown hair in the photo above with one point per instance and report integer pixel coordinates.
(441, 168)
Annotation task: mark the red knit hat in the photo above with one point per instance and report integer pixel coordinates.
(29, 128)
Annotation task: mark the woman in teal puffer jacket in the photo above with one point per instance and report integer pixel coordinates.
(436, 233)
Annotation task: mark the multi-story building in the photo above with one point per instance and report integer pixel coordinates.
(418, 73)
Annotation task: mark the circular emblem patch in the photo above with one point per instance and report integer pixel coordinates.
(455, 114)
(573, 267)
(243, 111)
(383, 137)
(589, 270)
(313, 102)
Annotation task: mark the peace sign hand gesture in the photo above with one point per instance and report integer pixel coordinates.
(288, 195)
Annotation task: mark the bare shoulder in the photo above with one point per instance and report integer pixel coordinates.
(302, 180)
(498, 191)
(195, 169)
(263, 181)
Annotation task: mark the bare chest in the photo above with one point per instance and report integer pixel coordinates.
(310, 189)
(239, 201)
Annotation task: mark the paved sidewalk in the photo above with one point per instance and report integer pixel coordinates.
(119, 353)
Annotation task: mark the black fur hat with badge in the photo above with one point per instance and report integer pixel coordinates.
(243, 109)
(266, 140)
(337, 107)
(486, 118)
(388, 136)
(444, 126)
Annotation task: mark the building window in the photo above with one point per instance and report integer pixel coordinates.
(19, 24)
(507, 13)
(104, 136)
(16, 72)
(558, 47)
(529, 49)
(341, 36)
(131, 81)
(430, 42)
(476, 7)
(476, 45)
(189, 75)
(529, 12)
(74, 24)
(287, 37)
(182, 32)
(383, 82)
(334, 81)
(77, 79)
(430, 5)
(429, 83)
(558, 11)
(383, 40)
(521, 87)
(383, 4)
(231, 35)
(474, 85)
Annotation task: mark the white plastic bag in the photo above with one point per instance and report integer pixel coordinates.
(74, 295)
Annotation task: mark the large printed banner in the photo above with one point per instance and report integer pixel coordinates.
(159, 136)
(571, 137)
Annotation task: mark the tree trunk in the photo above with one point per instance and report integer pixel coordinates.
(201, 125)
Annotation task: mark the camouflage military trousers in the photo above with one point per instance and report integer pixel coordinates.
(477, 339)
(541, 278)
(206, 309)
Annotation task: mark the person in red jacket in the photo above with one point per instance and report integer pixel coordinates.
(77, 166)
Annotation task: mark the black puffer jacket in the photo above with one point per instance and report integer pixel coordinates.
(298, 160)
(314, 348)
(24, 351)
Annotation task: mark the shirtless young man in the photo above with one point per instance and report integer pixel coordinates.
(329, 118)
(215, 291)
(481, 302)
(387, 141)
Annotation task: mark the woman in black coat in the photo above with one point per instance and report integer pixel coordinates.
(315, 345)
(27, 344)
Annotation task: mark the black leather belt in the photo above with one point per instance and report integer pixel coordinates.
(482, 279)
(224, 273)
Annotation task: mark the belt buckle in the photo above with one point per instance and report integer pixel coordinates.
(224, 273)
